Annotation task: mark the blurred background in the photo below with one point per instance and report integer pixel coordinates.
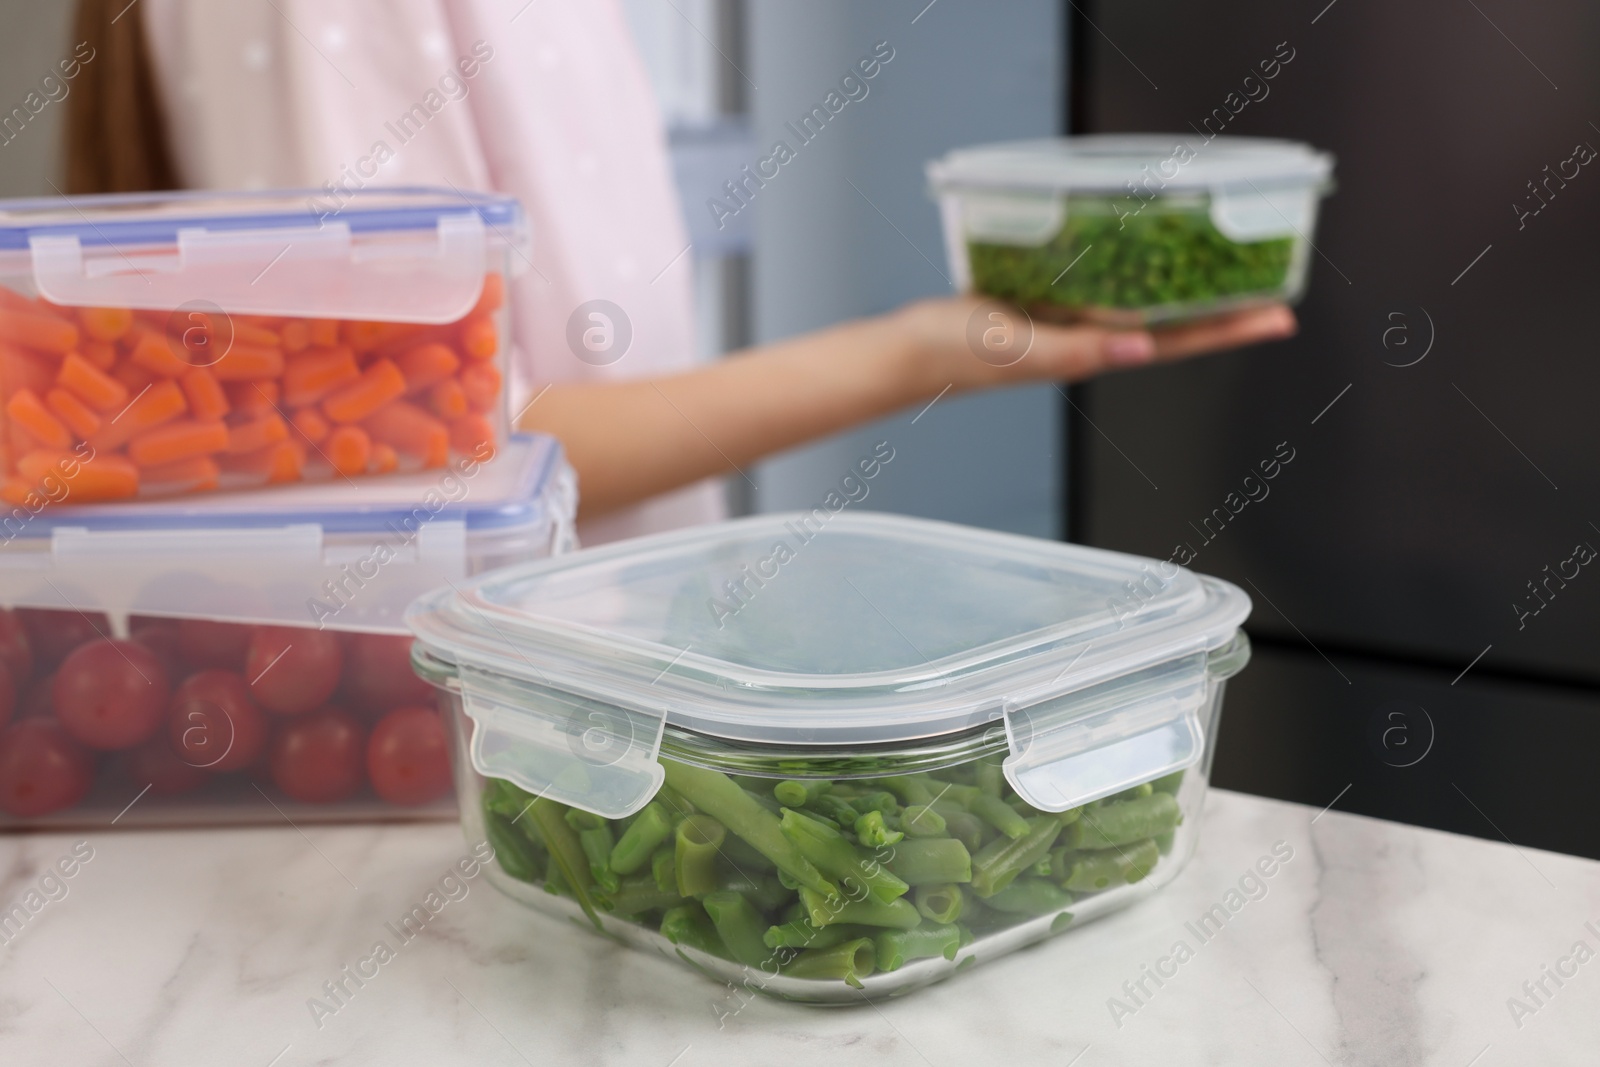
(1419, 655)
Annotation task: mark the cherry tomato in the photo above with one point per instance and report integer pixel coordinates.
(293, 670)
(163, 770)
(317, 758)
(42, 769)
(204, 643)
(111, 693)
(8, 694)
(378, 674)
(161, 637)
(53, 633)
(15, 650)
(407, 757)
(214, 724)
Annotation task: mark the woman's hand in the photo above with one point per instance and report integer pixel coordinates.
(967, 342)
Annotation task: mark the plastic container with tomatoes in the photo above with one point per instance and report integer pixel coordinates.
(245, 660)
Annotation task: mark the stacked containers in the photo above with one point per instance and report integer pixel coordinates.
(827, 756)
(207, 585)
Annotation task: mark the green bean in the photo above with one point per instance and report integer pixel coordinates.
(1169, 783)
(872, 832)
(699, 837)
(833, 855)
(797, 794)
(966, 828)
(1143, 789)
(920, 820)
(514, 852)
(990, 778)
(1061, 922)
(1029, 896)
(764, 892)
(634, 848)
(566, 853)
(1002, 859)
(1164, 841)
(1000, 815)
(1089, 872)
(880, 800)
(689, 926)
(1124, 822)
(930, 861)
(910, 788)
(798, 933)
(664, 868)
(838, 810)
(737, 851)
(823, 911)
(1071, 815)
(503, 798)
(638, 895)
(738, 924)
(896, 947)
(716, 794)
(940, 903)
(594, 837)
(850, 961)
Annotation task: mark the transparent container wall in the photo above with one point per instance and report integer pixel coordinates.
(198, 721)
(1121, 260)
(974, 893)
(111, 403)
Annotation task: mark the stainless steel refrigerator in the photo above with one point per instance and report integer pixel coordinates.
(1427, 620)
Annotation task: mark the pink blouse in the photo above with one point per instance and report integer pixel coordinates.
(549, 103)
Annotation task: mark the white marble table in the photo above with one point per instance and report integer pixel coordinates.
(1376, 944)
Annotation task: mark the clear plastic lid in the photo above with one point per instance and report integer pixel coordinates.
(350, 555)
(412, 254)
(831, 629)
(1111, 162)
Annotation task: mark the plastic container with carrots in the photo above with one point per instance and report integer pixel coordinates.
(162, 344)
(241, 658)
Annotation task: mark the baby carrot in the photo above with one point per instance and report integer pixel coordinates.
(481, 382)
(473, 435)
(105, 324)
(267, 428)
(255, 396)
(348, 449)
(409, 429)
(101, 353)
(32, 329)
(272, 465)
(324, 332)
(204, 393)
(478, 337)
(295, 335)
(251, 334)
(28, 411)
(177, 440)
(104, 477)
(133, 377)
(378, 385)
(244, 362)
(426, 365)
(310, 375)
(310, 424)
(78, 416)
(21, 369)
(365, 336)
(154, 353)
(161, 402)
(95, 388)
(384, 458)
(184, 475)
(447, 400)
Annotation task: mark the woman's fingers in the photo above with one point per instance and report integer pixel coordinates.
(1234, 330)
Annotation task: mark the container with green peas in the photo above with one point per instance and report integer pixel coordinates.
(1132, 229)
(912, 748)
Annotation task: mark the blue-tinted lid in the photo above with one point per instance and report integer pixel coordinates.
(141, 219)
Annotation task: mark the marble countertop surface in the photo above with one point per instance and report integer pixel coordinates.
(1375, 943)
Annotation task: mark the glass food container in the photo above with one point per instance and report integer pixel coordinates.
(828, 756)
(241, 657)
(1132, 229)
(159, 344)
